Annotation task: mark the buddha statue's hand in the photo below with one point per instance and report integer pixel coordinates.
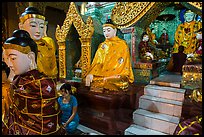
(89, 79)
(200, 48)
(191, 55)
(150, 55)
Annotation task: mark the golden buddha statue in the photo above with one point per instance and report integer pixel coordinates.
(185, 36)
(152, 36)
(111, 68)
(34, 23)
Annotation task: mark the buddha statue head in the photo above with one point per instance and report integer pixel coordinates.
(145, 37)
(33, 22)
(20, 52)
(109, 29)
(189, 16)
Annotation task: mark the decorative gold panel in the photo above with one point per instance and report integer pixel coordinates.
(85, 32)
(196, 4)
(62, 61)
(124, 14)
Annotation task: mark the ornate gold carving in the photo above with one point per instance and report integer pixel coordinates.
(21, 6)
(191, 80)
(196, 4)
(62, 60)
(85, 32)
(124, 14)
(85, 55)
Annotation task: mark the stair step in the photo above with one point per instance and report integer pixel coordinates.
(171, 80)
(156, 121)
(165, 92)
(160, 105)
(139, 130)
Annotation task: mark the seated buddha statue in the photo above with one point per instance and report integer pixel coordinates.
(152, 36)
(146, 52)
(164, 38)
(111, 69)
(185, 35)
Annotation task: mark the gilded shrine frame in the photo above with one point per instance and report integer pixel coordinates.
(85, 32)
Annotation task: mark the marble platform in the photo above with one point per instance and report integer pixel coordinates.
(140, 130)
(165, 92)
(170, 80)
(88, 131)
(160, 107)
(155, 121)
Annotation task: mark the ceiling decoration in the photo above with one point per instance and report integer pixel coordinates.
(125, 14)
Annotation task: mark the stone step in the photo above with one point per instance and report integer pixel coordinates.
(155, 121)
(165, 92)
(139, 130)
(88, 131)
(160, 105)
(170, 80)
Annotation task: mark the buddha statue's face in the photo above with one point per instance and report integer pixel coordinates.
(17, 61)
(145, 38)
(109, 32)
(35, 27)
(189, 16)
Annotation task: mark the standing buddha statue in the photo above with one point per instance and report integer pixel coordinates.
(34, 23)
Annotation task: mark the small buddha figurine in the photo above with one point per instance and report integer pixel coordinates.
(164, 38)
(146, 52)
(111, 69)
(185, 35)
(34, 23)
(152, 36)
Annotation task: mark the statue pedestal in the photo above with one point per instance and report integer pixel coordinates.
(106, 113)
(192, 76)
(144, 72)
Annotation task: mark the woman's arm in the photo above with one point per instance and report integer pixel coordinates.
(74, 111)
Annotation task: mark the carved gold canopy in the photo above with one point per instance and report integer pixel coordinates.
(85, 32)
(125, 14)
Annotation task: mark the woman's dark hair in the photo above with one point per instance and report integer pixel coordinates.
(66, 86)
(23, 39)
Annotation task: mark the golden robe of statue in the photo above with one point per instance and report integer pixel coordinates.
(6, 100)
(111, 66)
(186, 37)
(46, 59)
